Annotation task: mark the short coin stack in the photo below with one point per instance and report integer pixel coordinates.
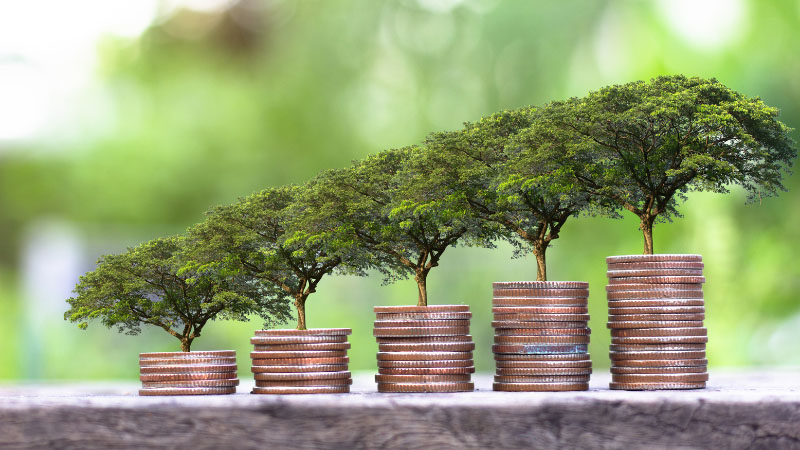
(655, 313)
(301, 361)
(541, 336)
(188, 373)
(424, 348)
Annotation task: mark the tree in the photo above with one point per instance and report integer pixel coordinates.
(496, 164)
(645, 145)
(150, 284)
(272, 237)
(392, 207)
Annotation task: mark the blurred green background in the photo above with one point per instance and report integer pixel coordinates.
(123, 121)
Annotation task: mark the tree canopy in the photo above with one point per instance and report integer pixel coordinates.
(151, 285)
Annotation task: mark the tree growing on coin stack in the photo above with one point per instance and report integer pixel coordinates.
(270, 236)
(151, 285)
(644, 145)
(391, 206)
(496, 164)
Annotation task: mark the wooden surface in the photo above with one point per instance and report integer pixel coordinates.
(738, 410)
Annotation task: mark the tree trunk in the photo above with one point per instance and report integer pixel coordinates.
(421, 279)
(186, 344)
(541, 262)
(647, 230)
(300, 304)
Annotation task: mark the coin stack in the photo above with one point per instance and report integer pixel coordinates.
(188, 373)
(424, 348)
(301, 361)
(655, 313)
(541, 336)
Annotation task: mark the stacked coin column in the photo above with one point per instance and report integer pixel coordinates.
(188, 373)
(655, 313)
(424, 348)
(541, 336)
(301, 361)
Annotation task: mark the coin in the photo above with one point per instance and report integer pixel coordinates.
(682, 302)
(427, 363)
(299, 361)
(655, 294)
(653, 332)
(652, 287)
(655, 347)
(587, 364)
(263, 340)
(543, 331)
(660, 340)
(655, 386)
(654, 258)
(421, 323)
(416, 331)
(425, 370)
(422, 378)
(654, 317)
(299, 354)
(656, 265)
(309, 332)
(190, 384)
(417, 309)
(657, 310)
(202, 368)
(299, 376)
(541, 293)
(422, 356)
(541, 340)
(542, 379)
(654, 273)
(540, 285)
(559, 317)
(292, 383)
(540, 349)
(178, 361)
(660, 362)
(534, 324)
(428, 347)
(188, 391)
(195, 376)
(540, 387)
(301, 390)
(543, 371)
(426, 387)
(465, 338)
(553, 357)
(190, 355)
(666, 324)
(532, 312)
(303, 368)
(301, 347)
(658, 370)
(658, 280)
(688, 354)
(424, 316)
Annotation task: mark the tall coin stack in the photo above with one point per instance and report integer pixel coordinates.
(301, 361)
(424, 348)
(655, 313)
(188, 373)
(541, 336)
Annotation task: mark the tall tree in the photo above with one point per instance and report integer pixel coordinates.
(150, 284)
(272, 237)
(644, 145)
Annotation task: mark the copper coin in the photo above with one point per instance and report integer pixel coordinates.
(283, 390)
(540, 387)
(296, 369)
(425, 370)
(644, 294)
(190, 384)
(655, 347)
(654, 273)
(534, 324)
(559, 317)
(541, 340)
(302, 376)
(309, 332)
(422, 356)
(660, 340)
(532, 312)
(425, 387)
(655, 265)
(652, 287)
(543, 331)
(432, 331)
(177, 361)
(658, 370)
(654, 258)
(657, 310)
(666, 324)
(542, 379)
(652, 332)
(657, 280)
(655, 386)
(660, 362)
(662, 302)
(197, 376)
(292, 383)
(188, 391)
(688, 354)
(190, 355)
(299, 361)
(576, 294)
(422, 378)
(540, 285)
(654, 317)
(426, 363)
(202, 368)
(544, 364)
(429, 347)
(425, 316)
(264, 340)
(540, 349)
(301, 347)
(563, 357)
(421, 309)
(465, 338)
(421, 323)
(299, 354)
(543, 371)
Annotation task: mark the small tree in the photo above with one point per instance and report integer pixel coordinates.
(644, 145)
(273, 238)
(150, 284)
